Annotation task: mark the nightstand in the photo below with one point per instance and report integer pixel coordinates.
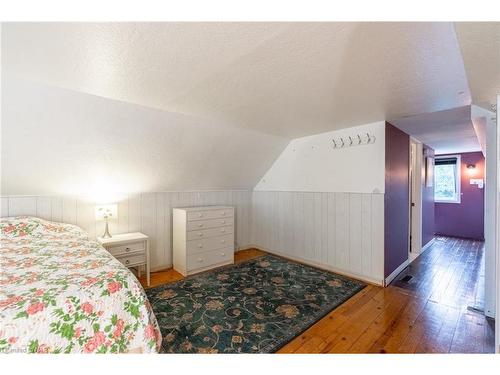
(131, 249)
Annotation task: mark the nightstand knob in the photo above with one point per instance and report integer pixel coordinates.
(200, 215)
(127, 261)
(200, 245)
(200, 225)
(200, 234)
(223, 241)
(223, 231)
(200, 260)
(127, 249)
(223, 213)
(223, 254)
(223, 221)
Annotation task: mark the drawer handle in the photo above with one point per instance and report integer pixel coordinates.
(127, 249)
(200, 215)
(127, 261)
(223, 213)
(200, 260)
(200, 234)
(223, 254)
(223, 231)
(223, 221)
(200, 245)
(200, 225)
(223, 241)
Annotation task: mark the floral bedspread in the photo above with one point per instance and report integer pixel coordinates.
(63, 293)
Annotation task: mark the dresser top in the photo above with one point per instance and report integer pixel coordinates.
(204, 208)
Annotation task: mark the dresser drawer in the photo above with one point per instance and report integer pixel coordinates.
(127, 249)
(207, 224)
(209, 214)
(210, 258)
(207, 233)
(132, 260)
(207, 244)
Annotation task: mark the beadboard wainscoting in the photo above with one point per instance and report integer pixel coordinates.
(342, 232)
(150, 213)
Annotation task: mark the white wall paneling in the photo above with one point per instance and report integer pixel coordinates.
(150, 213)
(342, 232)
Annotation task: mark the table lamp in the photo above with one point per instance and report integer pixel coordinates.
(106, 212)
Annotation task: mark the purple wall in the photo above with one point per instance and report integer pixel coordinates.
(397, 198)
(428, 210)
(464, 219)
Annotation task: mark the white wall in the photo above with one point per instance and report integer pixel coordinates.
(497, 248)
(150, 213)
(311, 164)
(341, 232)
(325, 206)
(486, 130)
(56, 141)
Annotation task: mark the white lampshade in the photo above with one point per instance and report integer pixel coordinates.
(106, 211)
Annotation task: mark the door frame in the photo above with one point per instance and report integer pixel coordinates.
(415, 191)
(497, 232)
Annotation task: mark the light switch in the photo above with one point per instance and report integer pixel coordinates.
(477, 181)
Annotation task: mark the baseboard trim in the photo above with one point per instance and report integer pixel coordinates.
(321, 266)
(396, 272)
(426, 246)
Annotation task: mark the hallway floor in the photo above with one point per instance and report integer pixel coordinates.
(450, 277)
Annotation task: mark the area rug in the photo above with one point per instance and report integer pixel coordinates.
(252, 307)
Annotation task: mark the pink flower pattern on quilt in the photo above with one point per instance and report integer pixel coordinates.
(61, 292)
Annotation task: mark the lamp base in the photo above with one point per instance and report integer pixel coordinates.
(106, 232)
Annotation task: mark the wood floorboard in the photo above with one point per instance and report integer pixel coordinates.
(427, 315)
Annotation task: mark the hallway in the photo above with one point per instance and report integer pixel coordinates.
(450, 277)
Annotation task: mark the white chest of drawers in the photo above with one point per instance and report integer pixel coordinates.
(203, 238)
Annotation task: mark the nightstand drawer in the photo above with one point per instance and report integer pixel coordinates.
(207, 224)
(128, 248)
(207, 244)
(210, 214)
(207, 233)
(132, 260)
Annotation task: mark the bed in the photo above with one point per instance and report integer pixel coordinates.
(61, 292)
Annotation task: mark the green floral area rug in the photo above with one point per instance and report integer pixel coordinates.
(251, 307)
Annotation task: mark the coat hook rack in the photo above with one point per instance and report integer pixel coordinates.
(353, 140)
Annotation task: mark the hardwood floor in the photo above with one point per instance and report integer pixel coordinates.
(428, 314)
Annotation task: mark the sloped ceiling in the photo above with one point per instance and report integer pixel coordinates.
(288, 79)
(58, 141)
(480, 45)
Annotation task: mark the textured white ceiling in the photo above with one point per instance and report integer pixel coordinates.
(480, 44)
(446, 131)
(289, 79)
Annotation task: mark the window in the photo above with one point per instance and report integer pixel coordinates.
(447, 179)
